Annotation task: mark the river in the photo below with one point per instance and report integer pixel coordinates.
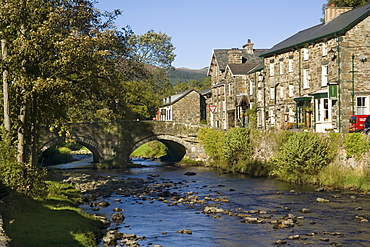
(340, 222)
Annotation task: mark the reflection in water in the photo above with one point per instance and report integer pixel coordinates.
(333, 223)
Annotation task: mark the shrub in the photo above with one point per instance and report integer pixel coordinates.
(356, 144)
(302, 156)
(212, 141)
(237, 148)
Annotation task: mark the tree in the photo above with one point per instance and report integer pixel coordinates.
(151, 48)
(60, 53)
(347, 3)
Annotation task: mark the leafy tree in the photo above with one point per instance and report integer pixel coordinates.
(66, 64)
(348, 3)
(151, 48)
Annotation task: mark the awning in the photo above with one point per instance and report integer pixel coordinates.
(320, 94)
(303, 98)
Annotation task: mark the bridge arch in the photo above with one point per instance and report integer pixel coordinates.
(177, 147)
(90, 144)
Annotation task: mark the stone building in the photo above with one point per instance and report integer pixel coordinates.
(230, 70)
(320, 76)
(186, 107)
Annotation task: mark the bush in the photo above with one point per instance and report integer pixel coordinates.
(356, 144)
(212, 141)
(302, 156)
(237, 149)
(56, 155)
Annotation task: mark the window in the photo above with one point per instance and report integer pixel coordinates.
(290, 65)
(259, 95)
(272, 93)
(281, 92)
(281, 68)
(324, 75)
(323, 109)
(305, 54)
(251, 87)
(306, 79)
(272, 69)
(291, 91)
(230, 89)
(324, 49)
(362, 105)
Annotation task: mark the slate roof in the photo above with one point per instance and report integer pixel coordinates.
(174, 98)
(337, 26)
(241, 69)
(222, 57)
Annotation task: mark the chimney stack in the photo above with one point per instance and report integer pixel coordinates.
(333, 11)
(248, 47)
(235, 56)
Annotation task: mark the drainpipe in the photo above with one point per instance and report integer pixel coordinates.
(339, 39)
(297, 112)
(353, 84)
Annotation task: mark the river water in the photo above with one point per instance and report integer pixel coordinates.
(334, 223)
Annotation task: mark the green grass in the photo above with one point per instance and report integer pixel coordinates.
(53, 221)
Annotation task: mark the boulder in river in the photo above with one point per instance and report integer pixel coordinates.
(190, 174)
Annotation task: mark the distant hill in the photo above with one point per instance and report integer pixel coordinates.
(186, 75)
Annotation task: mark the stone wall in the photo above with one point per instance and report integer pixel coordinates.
(187, 109)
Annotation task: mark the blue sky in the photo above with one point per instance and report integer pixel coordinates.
(199, 26)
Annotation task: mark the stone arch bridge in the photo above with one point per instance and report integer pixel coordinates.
(117, 140)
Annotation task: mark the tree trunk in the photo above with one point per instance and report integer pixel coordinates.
(21, 157)
(4, 53)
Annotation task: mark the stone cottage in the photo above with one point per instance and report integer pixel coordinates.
(230, 71)
(320, 76)
(186, 107)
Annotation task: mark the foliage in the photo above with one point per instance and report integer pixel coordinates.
(21, 177)
(302, 156)
(212, 141)
(151, 48)
(56, 155)
(177, 76)
(348, 3)
(356, 144)
(153, 149)
(237, 146)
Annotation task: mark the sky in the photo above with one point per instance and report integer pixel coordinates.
(199, 26)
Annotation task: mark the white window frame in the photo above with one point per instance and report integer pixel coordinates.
(230, 89)
(291, 90)
(324, 75)
(362, 105)
(324, 49)
(306, 79)
(272, 69)
(323, 109)
(306, 54)
(281, 92)
(259, 96)
(272, 93)
(251, 87)
(290, 65)
(281, 67)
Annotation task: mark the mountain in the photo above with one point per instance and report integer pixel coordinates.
(179, 75)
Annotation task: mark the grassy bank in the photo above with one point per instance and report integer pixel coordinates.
(53, 221)
(332, 160)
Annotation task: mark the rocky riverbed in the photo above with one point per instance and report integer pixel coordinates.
(288, 223)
